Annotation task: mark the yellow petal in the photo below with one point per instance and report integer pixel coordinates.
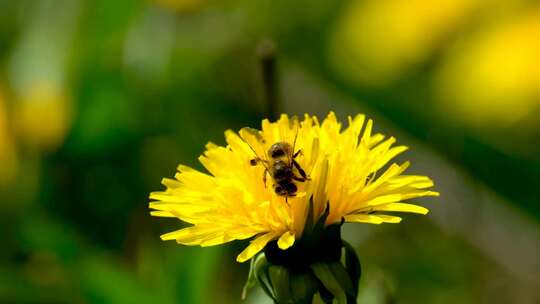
(216, 239)
(391, 153)
(389, 218)
(367, 132)
(255, 246)
(375, 139)
(170, 183)
(363, 218)
(286, 240)
(252, 138)
(416, 194)
(162, 214)
(384, 199)
(401, 207)
(392, 171)
(187, 236)
(319, 192)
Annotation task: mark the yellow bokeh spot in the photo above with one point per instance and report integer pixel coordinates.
(493, 78)
(42, 116)
(375, 41)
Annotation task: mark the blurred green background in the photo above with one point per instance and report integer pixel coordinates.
(101, 99)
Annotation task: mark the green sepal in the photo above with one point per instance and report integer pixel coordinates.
(320, 224)
(315, 227)
(352, 265)
(343, 278)
(331, 269)
(252, 278)
(279, 277)
(261, 267)
(325, 295)
(303, 287)
(323, 272)
(308, 226)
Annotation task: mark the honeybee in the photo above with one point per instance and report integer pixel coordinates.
(282, 167)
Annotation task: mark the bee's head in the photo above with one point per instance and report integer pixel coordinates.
(279, 149)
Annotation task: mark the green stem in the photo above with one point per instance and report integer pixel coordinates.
(267, 55)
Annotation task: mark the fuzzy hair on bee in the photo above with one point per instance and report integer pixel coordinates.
(282, 167)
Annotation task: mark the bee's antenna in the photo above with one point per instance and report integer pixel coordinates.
(257, 159)
(294, 142)
(253, 150)
(253, 132)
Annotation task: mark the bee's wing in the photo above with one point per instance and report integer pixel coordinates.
(254, 139)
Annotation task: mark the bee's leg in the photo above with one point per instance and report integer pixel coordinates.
(264, 177)
(303, 174)
(298, 178)
(299, 152)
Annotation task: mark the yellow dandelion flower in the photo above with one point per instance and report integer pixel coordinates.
(348, 177)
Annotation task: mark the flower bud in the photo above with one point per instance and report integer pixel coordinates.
(319, 263)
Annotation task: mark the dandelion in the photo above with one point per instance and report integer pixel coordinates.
(349, 178)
